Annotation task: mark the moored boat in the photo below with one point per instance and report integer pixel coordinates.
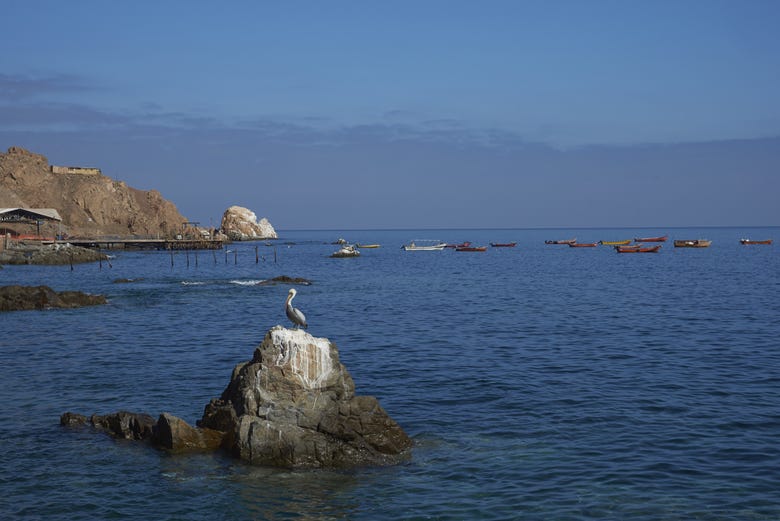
(424, 245)
(695, 243)
(616, 243)
(748, 241)
(564, 241)
(358, 245)
(503, 244)
(652, 239)
(346, 251)
(452, 246)
(471, 248)
(638, 249)
(582, 245)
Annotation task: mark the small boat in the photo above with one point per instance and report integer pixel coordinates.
(582, 245)
(358, 245)
(652, 239)
(503, 244)
(748, 241)
(346, 251)
(628, 247)
(696, 243)
(638, 249)
(471, 248)
(424, 245)
(564, 241)
(464, 244)
(616, 243)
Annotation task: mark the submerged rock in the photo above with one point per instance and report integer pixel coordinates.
(284, 279)
(292, 405)
(18, 298)
(241, 224)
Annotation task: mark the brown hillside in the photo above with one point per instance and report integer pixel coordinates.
(90, 205)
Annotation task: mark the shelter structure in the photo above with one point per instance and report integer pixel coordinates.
(13, 221)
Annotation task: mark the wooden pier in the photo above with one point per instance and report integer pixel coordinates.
(145, 244)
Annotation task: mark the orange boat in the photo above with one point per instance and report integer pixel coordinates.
(639, 249)
(503, 244)
(748, 241)
(465, 244)
(471, 248)
(652, 239)
(582, 244)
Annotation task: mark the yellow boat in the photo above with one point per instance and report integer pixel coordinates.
(615, 243)
(367, 245)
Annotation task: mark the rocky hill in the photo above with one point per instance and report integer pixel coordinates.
(90, 204)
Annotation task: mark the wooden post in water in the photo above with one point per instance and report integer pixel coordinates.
(257, 257)
(235, 257)
(196, 258)
(171, 250)
(187, 253)
(71, 261)
(226, 255)
(214, 252)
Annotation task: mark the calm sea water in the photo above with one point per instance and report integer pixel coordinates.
(539, 382)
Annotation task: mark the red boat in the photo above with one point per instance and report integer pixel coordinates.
(652, 239)
(582, 245)
(748, 241)
(566, 241)
(456, 246)
(637, 249)
(503, 244)
(471, 248)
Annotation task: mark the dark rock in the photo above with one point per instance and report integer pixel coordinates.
(127, 281)
(178, 436)
(127, 425)
(15, 298)
(284, 279)
(71, 419)
(50, 255)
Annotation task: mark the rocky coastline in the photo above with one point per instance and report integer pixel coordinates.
(49, 254)
(293, 405)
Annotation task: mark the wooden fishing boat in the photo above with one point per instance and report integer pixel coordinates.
(565, 241)
(503, 244)
(652, 239)
(748, 241)
(625, 248)
(616, 243)
(358, 245)
(464, 244)
(471, 248)
(696, 243)
(582, 245)
(641, 249)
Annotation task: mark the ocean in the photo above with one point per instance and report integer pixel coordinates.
(538, 382)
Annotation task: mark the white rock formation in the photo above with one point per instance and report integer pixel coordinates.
(241, 224)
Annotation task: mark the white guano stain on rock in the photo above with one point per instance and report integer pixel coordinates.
(307, 357)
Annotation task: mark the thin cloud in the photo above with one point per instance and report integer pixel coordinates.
(16, 87)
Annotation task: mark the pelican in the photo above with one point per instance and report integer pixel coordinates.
(294, 314)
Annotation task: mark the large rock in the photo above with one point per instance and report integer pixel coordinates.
(241, 224)
(17, 298)
(294, 405)
(52, 254)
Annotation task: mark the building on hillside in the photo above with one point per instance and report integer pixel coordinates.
(75, 170)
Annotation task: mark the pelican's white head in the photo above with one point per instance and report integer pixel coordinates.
(292, 292)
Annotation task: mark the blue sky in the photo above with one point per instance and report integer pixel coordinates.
(363, 114)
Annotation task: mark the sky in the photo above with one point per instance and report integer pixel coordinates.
(409, 114)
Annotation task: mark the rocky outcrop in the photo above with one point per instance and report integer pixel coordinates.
(292, 405)
(18, 298)
(90, 205)
(54, 254)
(241, 224)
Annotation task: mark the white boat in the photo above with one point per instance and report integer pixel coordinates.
(424, 245)
(346, 251)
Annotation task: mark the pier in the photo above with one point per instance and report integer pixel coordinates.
(144, 244)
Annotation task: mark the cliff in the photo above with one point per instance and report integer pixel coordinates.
(90, 205)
